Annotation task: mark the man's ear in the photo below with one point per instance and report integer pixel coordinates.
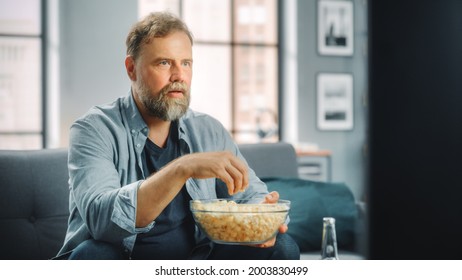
(130, 66)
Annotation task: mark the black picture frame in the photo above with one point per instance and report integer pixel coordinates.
(334, 101)
(335, 28)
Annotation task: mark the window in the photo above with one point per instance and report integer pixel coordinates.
(235, 74)
(21, 87)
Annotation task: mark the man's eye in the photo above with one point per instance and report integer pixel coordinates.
(164, 62)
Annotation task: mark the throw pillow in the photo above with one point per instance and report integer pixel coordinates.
(310, 202)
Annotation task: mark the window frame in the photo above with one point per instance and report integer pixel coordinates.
(42, 37)
(234, 44)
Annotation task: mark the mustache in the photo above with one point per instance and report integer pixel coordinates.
(175, 86)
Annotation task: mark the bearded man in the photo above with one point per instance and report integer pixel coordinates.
(135, 164)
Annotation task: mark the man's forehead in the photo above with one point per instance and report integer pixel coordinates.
(168, 44)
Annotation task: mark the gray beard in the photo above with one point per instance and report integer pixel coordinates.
(163, 107)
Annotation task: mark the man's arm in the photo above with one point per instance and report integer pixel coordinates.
(97, 193)
(157, 191)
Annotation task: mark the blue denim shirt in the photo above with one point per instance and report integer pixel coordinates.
(106, 169)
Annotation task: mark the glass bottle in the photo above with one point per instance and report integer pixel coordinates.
(329, 240)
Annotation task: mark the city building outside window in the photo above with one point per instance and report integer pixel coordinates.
(21, 87)
(235, 62)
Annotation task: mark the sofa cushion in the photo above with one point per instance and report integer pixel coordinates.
(34, 203)
(310, 202)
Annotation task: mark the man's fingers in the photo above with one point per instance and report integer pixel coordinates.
(223, 165)
(272, 197)
(242, 168)
(228, 180)
(267, 244)
(233, 179)
(237, 170)
(237, 178)
(283, 228)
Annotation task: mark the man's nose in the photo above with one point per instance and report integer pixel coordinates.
(177, 73)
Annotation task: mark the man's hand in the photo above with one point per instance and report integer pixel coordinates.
(223, 165)
(272, 197)
(159, 189)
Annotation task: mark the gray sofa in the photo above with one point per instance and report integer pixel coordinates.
(34, 197)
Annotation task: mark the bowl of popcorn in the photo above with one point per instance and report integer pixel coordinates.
(239, 222)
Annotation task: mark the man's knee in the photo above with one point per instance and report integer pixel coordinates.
(97, 250)
(286, 248)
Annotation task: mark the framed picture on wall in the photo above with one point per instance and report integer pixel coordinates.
(334, 101)
(335, 27)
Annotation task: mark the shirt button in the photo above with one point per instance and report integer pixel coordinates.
(133, 131)
(138, 145)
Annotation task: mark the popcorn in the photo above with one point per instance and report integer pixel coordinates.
(231, 223)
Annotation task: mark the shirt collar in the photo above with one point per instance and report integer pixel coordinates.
(134, 118)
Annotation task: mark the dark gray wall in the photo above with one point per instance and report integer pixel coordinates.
(415, 129)
(347, 147)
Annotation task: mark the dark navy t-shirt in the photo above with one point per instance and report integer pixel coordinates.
(172, 236)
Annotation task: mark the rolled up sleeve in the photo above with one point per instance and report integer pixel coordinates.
(105, 204)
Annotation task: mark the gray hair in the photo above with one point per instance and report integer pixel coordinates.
(154, 25)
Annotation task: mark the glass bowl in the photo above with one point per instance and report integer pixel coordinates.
(239, 222)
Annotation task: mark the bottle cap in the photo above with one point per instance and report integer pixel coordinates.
(329, 220)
